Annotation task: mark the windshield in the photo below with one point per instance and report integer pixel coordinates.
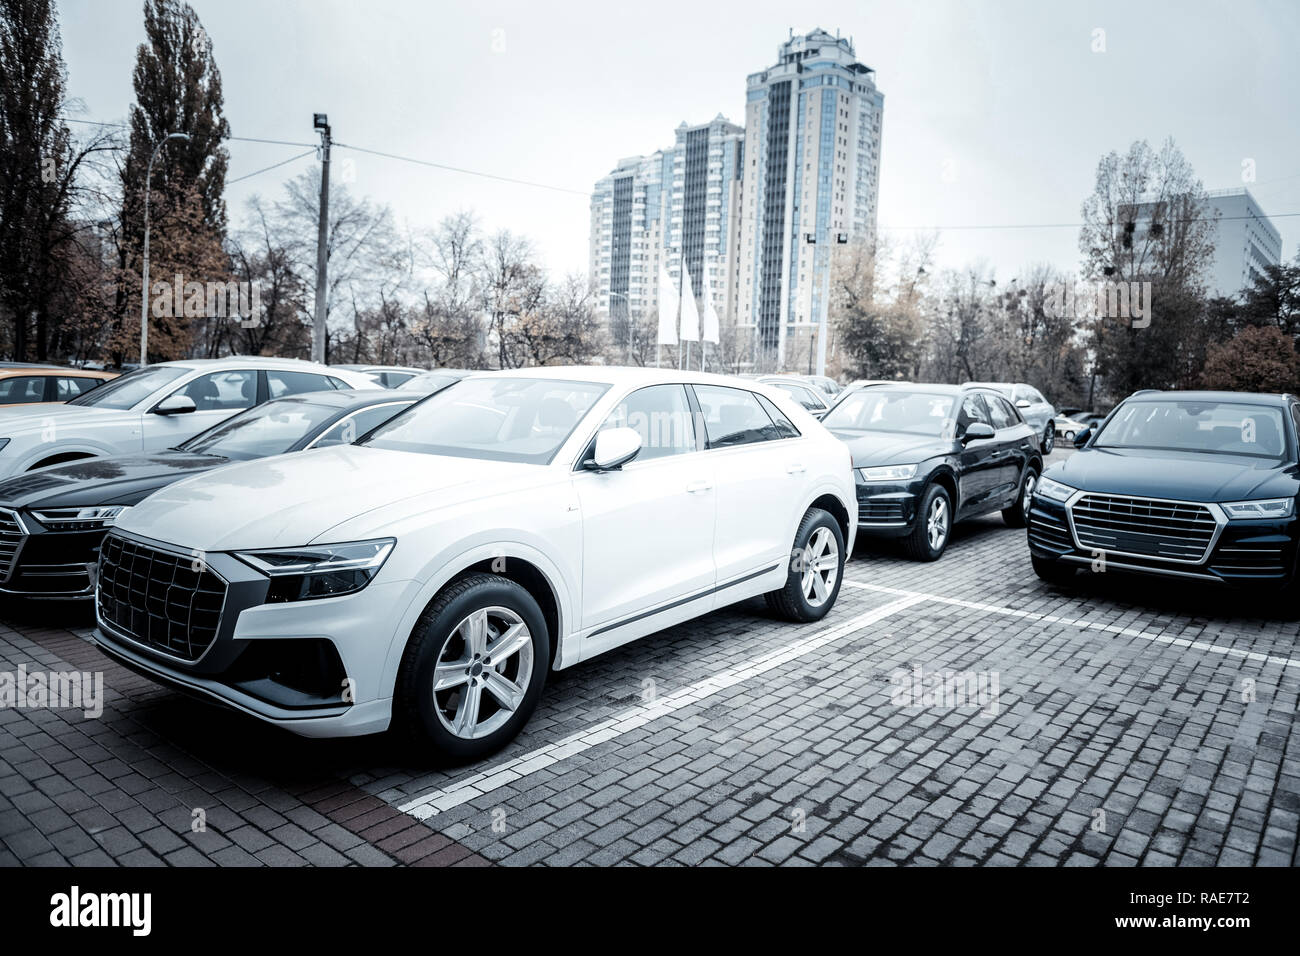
(129, 389)
(1223, 428)
(270, 429)
(500, 419)
(874, 409)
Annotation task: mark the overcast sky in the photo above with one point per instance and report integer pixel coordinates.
(995, 112)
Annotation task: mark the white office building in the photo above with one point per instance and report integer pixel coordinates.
(1245, 242)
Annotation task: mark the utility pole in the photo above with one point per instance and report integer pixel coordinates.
(321, 122)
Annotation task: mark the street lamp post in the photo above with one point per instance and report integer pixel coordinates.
(144, 285)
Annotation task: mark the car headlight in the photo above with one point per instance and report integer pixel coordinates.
(888, 473)
(319, 571)
(1053, 490)
(1260, 508)
(79, 519)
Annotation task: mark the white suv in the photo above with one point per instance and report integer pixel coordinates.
(431, 573)
(155, 407)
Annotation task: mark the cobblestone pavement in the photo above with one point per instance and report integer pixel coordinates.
(1117, 723)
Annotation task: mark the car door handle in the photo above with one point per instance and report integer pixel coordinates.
(794, 469)
(699, 487)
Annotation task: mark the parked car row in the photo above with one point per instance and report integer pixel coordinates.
(344, 561)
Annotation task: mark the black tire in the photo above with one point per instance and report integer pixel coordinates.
(917, 545)
(1016, 514)
(791, 602)
(1053, 572)
(416, 706)
(1049, 438)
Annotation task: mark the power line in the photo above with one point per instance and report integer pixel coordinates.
(266, 169)
(241, 139)
(468, 172)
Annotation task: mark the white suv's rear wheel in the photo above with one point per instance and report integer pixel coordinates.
(474, 667)
(816, 566)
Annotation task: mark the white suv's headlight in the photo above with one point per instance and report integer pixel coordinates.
(1053, 490)
(319, 571)
(1260, 508)
(888, 473)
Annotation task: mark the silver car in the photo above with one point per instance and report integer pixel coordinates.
(1034, 409)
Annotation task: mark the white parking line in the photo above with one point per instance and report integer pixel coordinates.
(461, 791)
(1074, 622)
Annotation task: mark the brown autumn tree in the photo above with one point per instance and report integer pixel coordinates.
(1257, 359)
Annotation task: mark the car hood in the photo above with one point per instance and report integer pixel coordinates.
(35, 418)
(115, 480)
(889, 448)
(1186, 476)
(293, 500)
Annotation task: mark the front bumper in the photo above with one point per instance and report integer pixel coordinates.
(1249, 554)
(312, 667)
(53, 564)
(887, 509)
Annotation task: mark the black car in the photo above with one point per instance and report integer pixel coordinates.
(926, 456)
(1198, 486)
(52, 520)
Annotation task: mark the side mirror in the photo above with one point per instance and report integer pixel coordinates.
(977, 431)
(1023, 403)
(175, 405)
(1081, 439)
(615, 447)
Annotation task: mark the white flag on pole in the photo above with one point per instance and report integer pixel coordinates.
(667, 309)
(710, 331)
(690, 314)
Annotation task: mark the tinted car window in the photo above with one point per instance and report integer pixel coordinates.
(733, 416)
(661, 415)
(804, 396)
(394, 379)
(280, 382)
(785, 428)
(972, 410)
(71, 387)
(999, 411)
(24, 388)
(221, 391)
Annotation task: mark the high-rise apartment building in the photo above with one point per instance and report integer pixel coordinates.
(677, 204)
(811, 182)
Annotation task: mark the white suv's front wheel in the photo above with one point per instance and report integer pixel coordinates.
(474, 667)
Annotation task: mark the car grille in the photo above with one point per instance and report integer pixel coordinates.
(158, 599)
(1048, 532)
(879, 510)
(12, 534)
(1171, 530)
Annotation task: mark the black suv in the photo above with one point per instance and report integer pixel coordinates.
(926, 456)
(1192, 485)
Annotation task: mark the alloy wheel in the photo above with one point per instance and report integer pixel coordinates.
(1049, 440)
(1026, 498)
(483, 672)
(821, 567)
(936, 523)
